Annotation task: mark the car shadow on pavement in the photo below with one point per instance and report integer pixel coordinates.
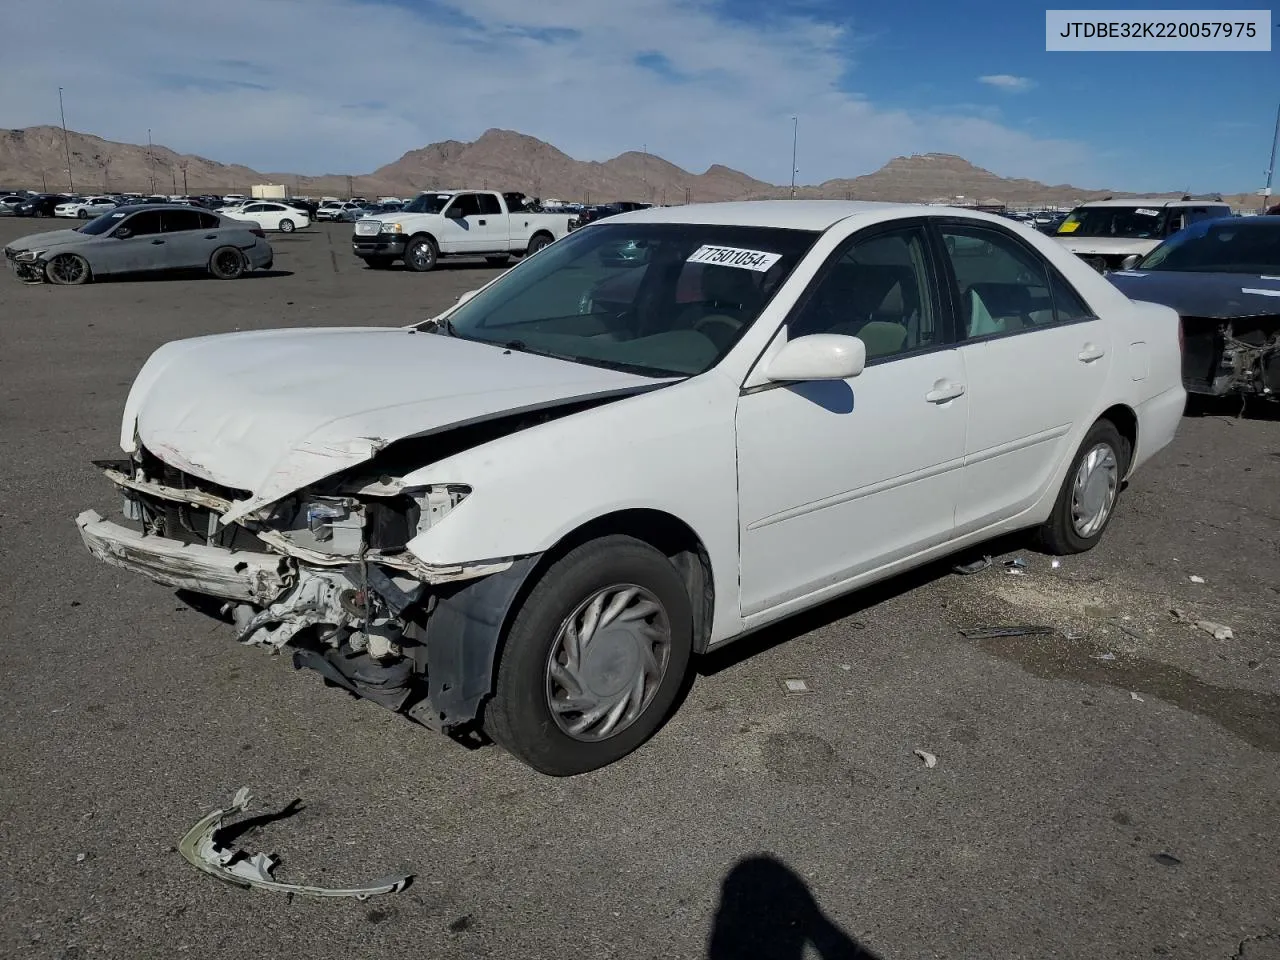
(170, 276)
(767, 912)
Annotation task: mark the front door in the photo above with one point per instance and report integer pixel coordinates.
(839, 478)
(460, 231)
(1036, 358)
(132, 245)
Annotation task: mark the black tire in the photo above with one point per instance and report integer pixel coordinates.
(82, 214)
(379, 263)
(500, 260)
(421, 254)
(41, 214)
(67, 270)
(1059, 534)
(536, 243)
(227, 263)
(519, 716)
(286, 225)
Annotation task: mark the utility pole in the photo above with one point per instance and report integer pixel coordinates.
(106, 174)
(183, 166)
(686, 195)
(795, 136)
(350, 194)
(1271, 164)
(44, 180)
(66, 145)
(644, 170)
(151, 163)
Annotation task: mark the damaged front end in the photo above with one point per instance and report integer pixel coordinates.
(26, 265)
(1235, 356)
(325, 571)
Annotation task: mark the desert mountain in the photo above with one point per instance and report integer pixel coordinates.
(34, 158)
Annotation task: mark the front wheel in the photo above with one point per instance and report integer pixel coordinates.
(67, 269)
(227, 263)
(82, 214)
(286, 225)
(1089, 492)
(594, 659)
(421, 254)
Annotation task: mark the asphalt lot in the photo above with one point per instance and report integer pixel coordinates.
(1081, 806)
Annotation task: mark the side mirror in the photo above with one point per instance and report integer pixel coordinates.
(1129, 262)
(455, 212)
(124, 233)
(819, 356)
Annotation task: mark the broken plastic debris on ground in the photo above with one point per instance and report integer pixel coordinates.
(202, 850)
(927, 758)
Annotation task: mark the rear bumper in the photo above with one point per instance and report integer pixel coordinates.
(1158, 420)
(232, 575)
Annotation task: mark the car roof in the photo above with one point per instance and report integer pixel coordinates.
(136, 207)
(788, 214)
(1154, 202)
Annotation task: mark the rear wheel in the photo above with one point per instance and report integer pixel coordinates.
(594, 658)
(536, 243)
(67, 269)
(286, 225)
(1089, 492)
(227, 263)
(421, 254)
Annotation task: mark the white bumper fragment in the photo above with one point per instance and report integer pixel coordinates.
(251, 577)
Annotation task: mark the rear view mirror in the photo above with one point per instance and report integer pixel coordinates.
(1129, 262)
(123, 233)
(819, 356)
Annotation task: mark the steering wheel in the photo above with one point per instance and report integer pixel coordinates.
(719, 328)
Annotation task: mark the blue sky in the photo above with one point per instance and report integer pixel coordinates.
(344, 86)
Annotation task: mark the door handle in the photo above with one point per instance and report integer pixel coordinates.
(157, 241)
(483, 222)
(943, 391)
(211, 236)
(1090, 353)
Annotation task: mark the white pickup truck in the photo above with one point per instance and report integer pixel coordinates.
(452, 223)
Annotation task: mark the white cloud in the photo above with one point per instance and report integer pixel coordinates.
(348, 85)
(1007, 81)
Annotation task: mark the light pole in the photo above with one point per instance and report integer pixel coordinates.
(66, 146)
(795, 136)
(1271, 164)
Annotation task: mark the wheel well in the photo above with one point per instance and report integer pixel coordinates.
(422, 235)
(1126, 421)
(665, 533)
(542, 233)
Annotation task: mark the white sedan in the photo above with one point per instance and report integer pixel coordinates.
(85, 209)
(269, 215)
(532, 511)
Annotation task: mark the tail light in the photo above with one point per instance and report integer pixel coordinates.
(258, 232)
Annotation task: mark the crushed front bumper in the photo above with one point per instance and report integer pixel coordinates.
(257, 578)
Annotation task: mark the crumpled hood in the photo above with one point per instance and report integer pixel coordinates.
(275, 410)
(1215, 296)
(1106, 245)
(50, 238)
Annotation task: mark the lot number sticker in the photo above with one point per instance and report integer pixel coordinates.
(757, 260)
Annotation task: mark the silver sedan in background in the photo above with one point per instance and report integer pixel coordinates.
(142, 238)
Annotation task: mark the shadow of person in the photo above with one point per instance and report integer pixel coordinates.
(766, 912)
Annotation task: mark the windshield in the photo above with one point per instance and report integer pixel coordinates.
(104, 223)
(656, 299)
(1133, 223)
(1220, 246)
(429, 203)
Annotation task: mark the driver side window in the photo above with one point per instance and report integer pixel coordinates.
(876, 288)
(143, 224)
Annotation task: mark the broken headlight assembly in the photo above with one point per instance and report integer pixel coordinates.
(382, 517)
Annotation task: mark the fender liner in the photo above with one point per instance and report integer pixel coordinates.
(458, 644)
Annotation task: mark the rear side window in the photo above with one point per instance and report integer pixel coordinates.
(208, 221)
(175, 221)
(1068, 307)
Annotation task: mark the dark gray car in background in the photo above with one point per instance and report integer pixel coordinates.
(143, 238)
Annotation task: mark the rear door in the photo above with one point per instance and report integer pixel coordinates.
(187, 244)
(1036, 362)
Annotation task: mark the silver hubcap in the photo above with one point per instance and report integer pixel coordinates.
(421, 254)
(67, 269)
(607, 662)
(1093, 492)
